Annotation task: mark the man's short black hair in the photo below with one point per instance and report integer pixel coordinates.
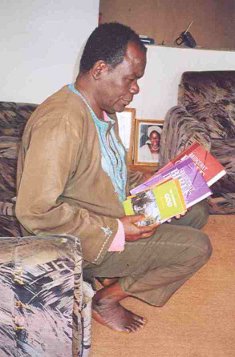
(108, 42)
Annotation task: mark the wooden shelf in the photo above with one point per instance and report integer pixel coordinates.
(143, 168)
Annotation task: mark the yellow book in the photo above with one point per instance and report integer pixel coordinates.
(157, 204)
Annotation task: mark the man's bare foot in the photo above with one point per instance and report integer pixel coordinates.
(108, 311)
(116, 317)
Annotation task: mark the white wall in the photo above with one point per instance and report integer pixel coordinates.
(40, 43)
(159, 86)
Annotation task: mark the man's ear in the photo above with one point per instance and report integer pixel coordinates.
(99, 68)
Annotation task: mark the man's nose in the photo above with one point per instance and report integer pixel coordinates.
(134, 88)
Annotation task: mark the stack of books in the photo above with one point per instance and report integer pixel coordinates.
(180, 184)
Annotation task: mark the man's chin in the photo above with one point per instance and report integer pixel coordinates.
(120, 108)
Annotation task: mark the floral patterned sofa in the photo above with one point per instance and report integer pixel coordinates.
(45, 306)
(206, 113)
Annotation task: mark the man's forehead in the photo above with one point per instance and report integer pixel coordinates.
(135, 60)
(134, 52)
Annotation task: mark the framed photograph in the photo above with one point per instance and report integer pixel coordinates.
(126, 123)
(147, 142)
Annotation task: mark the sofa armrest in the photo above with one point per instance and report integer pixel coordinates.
(180, 129)
(42, 297)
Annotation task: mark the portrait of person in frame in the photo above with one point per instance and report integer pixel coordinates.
(148, 142)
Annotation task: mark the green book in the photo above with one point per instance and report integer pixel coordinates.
(158, 203)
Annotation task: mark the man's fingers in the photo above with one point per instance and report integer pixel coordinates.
(150, 228)
(136, 218)
(178, 216)
(147, 231)
(146, 235)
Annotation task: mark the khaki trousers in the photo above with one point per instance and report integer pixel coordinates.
(153, 269)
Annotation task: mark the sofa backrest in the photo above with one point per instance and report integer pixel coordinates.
(210, 97)
(13, 117)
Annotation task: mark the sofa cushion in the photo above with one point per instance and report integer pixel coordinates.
(7, 178)
(9, 226)
(7, 208)
(9, 146)
(224, 151)
(8, 165)
(13, 117)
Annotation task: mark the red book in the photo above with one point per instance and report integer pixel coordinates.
(208, 165)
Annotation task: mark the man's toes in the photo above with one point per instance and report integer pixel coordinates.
(135, 326)
(128, 329)
(140, 319)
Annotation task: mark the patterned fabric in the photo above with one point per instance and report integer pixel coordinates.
(210, 98)
(8, 164)
(45, 307)
(224, 149)
(41, 297)
(9, 226)
(180, 129)
(206, 113)
(13, 117)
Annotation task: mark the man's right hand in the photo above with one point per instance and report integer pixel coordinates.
(133, 231)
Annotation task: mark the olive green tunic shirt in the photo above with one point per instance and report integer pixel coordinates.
(62, 188)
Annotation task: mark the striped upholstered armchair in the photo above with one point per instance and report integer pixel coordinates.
(45, 306)
(206, 113)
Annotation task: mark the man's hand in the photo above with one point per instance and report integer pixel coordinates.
(178, 216)
(133, 231)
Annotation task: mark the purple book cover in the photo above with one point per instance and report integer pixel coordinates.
(193, 184)
(150, 182)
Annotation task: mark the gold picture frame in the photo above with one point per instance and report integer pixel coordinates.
(126, 123)
(145, 147)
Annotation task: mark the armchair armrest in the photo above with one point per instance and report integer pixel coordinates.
(180, 129)
(42, 297)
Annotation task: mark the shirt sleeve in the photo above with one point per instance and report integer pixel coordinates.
(49, 163)
(118, 242)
